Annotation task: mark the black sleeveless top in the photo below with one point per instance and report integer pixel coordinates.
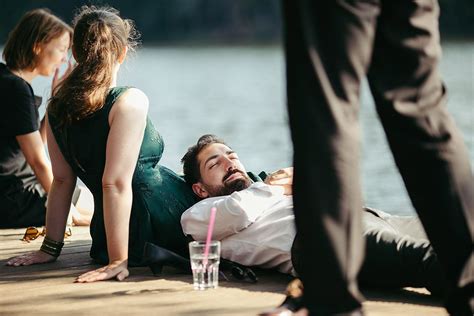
(160, 196)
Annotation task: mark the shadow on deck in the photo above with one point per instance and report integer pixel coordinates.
(49, 289)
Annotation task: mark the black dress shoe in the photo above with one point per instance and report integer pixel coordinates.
(460, 302)
(293, 301)
(294, 304)
(156, 257)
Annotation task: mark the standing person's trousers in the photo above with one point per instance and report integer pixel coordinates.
(331, 46)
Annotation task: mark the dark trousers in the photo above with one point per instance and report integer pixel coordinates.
(398, 254)
(331, 46)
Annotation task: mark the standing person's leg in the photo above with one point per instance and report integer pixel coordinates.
(328, 47)
(427, 146)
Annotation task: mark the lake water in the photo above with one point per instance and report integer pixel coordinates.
(238, 93)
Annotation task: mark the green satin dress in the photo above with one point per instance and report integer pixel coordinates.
(160, 196)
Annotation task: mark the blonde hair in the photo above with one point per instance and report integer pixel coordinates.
(36, 27)
(100, 38)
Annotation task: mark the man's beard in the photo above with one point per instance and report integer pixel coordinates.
(228, 188)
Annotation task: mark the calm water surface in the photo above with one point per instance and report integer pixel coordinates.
(238, 93)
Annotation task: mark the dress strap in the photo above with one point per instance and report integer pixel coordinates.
(114, 94)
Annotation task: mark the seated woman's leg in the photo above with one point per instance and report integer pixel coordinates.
(23, 208)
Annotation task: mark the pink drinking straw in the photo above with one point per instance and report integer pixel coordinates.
(210, 228)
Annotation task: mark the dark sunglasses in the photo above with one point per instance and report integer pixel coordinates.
(238, 271)
(244, 273)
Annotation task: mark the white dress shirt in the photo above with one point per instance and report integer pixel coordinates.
(256, 226)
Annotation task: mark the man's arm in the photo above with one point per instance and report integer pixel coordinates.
(282, 177)
(235, 212)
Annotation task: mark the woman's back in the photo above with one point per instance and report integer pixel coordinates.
(159, 195)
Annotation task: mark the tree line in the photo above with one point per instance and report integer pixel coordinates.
(212, 21)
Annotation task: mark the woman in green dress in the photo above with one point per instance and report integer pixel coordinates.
(101, 134)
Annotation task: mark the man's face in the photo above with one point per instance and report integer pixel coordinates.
(221, 172)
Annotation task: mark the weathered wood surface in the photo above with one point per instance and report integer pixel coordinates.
(49, 289)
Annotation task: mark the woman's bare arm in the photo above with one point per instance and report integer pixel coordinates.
(64, 182)
(127, 121)
(59, 200)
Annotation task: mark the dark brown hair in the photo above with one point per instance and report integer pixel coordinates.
(100, 37)
(36, 27)
(190, 161)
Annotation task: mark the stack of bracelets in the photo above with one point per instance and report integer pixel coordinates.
(51, 247)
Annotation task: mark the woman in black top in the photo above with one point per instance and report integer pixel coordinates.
(37, 46)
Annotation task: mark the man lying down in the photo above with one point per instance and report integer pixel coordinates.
(255, 222)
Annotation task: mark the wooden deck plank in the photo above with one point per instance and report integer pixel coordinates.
(49, 289)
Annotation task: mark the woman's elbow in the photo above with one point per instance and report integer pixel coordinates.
(116, 184)
(64, 180)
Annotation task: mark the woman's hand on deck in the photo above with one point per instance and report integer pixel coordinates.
(116, 269)
(30, 258)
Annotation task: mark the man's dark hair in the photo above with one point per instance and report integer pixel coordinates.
(190, 161)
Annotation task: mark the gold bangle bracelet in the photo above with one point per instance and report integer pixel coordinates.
(50, 251)
(51, 247)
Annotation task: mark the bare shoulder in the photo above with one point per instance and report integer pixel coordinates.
(133, 103)
(134, 99)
